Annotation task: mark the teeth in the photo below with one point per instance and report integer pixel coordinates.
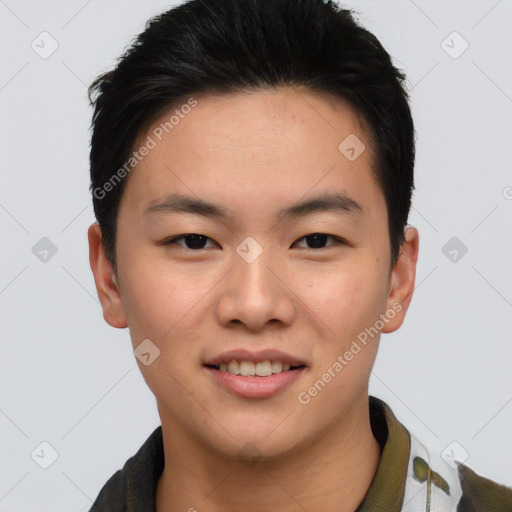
(248, 368)
(263, 369)
(277, 367)
(233, 367)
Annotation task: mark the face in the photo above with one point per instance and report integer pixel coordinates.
(247, 229)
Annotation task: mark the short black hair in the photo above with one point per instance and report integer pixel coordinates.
(229, 46)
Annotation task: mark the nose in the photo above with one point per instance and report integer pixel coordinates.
(256, 293)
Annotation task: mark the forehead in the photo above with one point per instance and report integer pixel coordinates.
(242, 148)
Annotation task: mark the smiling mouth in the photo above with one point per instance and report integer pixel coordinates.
(251, 369)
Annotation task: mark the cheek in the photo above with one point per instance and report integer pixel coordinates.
(348, 300)
(347, 304)
(163, 306)
(167, 303)
(157, 301)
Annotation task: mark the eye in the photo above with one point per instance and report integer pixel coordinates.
(318, 240)
(196, 241)
(192, 241)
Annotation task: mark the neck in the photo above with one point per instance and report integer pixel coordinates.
(333, 473)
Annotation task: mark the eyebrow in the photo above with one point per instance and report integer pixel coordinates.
(328, 202)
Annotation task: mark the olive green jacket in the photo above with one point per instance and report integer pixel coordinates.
(409, 478)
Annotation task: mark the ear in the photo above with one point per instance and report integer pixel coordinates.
(402, 280)
(106, 285)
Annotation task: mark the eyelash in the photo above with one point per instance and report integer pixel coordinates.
(337, 240)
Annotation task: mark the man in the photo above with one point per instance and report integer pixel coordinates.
(252, 170)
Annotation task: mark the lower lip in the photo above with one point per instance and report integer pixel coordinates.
(254, 386)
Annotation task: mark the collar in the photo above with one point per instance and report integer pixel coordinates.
(387, 489)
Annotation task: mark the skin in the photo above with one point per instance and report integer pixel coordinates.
(255, 153)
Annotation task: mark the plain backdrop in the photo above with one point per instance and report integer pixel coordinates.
(70, 380)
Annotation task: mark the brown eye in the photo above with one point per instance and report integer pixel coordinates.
(192, 241)
(318, 240)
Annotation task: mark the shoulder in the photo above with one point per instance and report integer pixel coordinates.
(112, 494)
(131, 488)
(434, 483)
(480, 493)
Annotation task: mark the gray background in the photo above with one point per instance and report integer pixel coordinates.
(69, 379)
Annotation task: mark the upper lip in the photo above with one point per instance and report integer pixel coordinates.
(255, 357)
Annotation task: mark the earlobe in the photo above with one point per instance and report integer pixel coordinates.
(105, 280)
(402, 280)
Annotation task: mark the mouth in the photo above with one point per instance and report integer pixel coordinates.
(251, 369)
(254, 380)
